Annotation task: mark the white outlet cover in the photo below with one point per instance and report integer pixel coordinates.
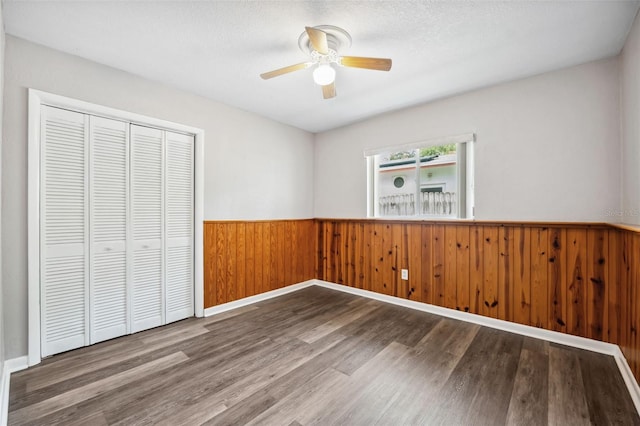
(404, 274)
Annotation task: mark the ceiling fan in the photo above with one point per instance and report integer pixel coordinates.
(322, 44)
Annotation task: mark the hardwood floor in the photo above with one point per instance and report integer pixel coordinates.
(319, 356)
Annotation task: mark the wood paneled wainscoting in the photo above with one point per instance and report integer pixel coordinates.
(580, 279)
(245, 258)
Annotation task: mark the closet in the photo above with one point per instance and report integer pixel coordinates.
(116, 228)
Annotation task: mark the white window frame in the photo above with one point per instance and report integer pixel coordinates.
(466, 209)
(37, 99)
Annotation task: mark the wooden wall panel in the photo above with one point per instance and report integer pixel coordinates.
(450, 267)
(597, 280)
(462, 268)
(627, 327)
(612, 333)
(369, 260)
(360, 243)
(288, 268)
(388, 256)
(377, 257)
(231, 260)
(490, 272)
(242, 259)
(240, 262)
(413, 233)
(403, 260)
(426, 265)
(518, 273)
(634, 284)
(522, 275)
(539, 277)
(210, 296)
(336, 243)
(476, 277)
(633, 342)
(576, 287)
(221, 264)
(351, 254)
(438, 262)
(258, 259)
(250, 265)
(633, 308)
(505, 274)
(628, 323)
(557, 279)
(280, 247)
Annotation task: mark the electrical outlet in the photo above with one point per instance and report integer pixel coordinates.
(404, 274)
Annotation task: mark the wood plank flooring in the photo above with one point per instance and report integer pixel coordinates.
(319, 356)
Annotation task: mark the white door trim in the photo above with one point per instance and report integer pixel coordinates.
(38, 98)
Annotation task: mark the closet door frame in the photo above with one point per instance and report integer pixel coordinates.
(39, 98)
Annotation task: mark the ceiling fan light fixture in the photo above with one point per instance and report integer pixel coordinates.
(321, 44)
(324, 74)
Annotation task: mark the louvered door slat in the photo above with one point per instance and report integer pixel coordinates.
(109, 189)
(179, 283)
(64, 233)
(147, 174)
(179, 227)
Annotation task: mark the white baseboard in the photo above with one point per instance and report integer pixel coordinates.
(629, 378)
(218, 309)
(524, 330)
(17, 364)
(8, 367)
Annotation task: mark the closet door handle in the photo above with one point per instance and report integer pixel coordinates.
(145, 246)
(107, 249)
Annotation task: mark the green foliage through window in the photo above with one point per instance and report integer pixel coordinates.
(402, 155)
(438, 150)
(424, 152)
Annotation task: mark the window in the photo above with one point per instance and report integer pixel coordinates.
(429, 179)
(429, 188)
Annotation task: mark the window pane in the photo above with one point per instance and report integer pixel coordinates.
(438, 180)
(395, 182)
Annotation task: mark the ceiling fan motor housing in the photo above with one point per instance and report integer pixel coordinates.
(319, 58)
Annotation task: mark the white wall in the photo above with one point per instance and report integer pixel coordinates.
(548, 147)
(630, 94)
(255, 168)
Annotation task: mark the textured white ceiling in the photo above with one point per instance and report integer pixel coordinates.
(217, 49)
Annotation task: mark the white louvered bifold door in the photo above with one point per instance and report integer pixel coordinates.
(147, 190)
(64, 275)
(109, 189)
(179, 226)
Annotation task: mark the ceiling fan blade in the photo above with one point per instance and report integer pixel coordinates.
(285, 70)
(329, 91)
(318, 40)
(380, 64)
